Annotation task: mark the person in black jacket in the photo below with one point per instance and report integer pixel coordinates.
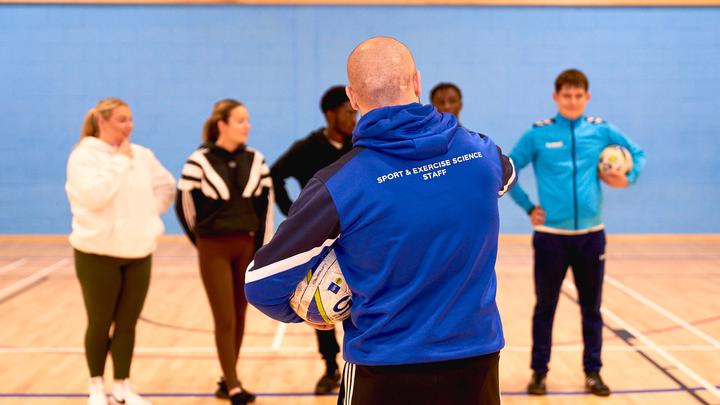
(304, 158)
(446, 97)
(223, 203)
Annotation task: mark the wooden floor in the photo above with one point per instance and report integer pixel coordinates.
(661, 341)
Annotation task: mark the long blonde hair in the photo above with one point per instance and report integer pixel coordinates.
(103, 108)
(221, 112)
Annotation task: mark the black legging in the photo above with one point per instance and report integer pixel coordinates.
(114, 291)
(328, 348)
(223, 261)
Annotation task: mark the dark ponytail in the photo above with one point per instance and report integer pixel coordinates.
(221, 112)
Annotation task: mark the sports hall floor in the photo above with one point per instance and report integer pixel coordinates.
(661, 308)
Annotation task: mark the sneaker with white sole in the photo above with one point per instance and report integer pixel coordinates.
(123, 393)
(96, 392)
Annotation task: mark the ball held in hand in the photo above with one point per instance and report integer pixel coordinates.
(323, 296)
(615, 158)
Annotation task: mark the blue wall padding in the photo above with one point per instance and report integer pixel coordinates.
(654, 72)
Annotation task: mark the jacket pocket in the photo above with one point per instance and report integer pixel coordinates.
(136, 236)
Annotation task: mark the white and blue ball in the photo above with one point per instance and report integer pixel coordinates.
(323, 296)
(615, 158)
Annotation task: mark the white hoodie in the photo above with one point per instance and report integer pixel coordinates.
(116, 201)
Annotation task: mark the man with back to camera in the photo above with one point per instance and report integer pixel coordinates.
(412, 215)
(564, 151)
(447, 98)
(306, 156)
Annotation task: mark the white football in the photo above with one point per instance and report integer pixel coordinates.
(615, 158)
(323, 297)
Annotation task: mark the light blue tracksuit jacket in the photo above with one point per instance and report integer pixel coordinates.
(564, 155)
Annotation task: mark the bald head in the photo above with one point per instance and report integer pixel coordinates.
(381, 73)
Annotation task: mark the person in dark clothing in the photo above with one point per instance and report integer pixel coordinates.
(446, 97)
(304, 158)
(320, 148)
(223, 204)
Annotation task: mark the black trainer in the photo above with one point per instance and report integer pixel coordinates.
(537, 384)
(222, 393)
(222, 389)
(327, 383)
(595, 384)
(243, 397)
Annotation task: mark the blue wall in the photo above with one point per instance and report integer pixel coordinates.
(654, 73)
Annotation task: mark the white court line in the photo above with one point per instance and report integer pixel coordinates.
(279, 336)
(12, 266)
(312, 349)
(657, 349)
(31, 279)
(662, 352)
(687, 326)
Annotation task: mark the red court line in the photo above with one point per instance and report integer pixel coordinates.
(648, 332)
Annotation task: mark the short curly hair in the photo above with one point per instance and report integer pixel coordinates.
(443, 86)
(333, 98)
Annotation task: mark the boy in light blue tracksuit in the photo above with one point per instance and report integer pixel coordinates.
(412, 215)
(564, 152)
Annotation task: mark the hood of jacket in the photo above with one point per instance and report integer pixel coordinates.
(412, 131)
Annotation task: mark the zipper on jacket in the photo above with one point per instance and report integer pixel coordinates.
(575, 202)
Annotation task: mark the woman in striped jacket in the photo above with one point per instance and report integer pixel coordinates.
(223, 203)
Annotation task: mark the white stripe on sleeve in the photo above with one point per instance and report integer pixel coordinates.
(187, 185)
(254, 177)
(284, 264)
(211, 175)
(269, 217)
(510, 180)
(188, 209)
(208, 190)
(192, 171)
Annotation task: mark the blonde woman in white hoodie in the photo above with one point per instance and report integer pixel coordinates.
(117, 191)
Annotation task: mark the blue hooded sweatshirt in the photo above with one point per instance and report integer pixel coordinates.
(412, 214)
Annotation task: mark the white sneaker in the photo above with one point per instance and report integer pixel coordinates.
(123, 393)
(96, 392)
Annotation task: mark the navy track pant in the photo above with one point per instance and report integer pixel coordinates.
(585, 254)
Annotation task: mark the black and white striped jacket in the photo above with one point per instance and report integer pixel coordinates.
(223, 192)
